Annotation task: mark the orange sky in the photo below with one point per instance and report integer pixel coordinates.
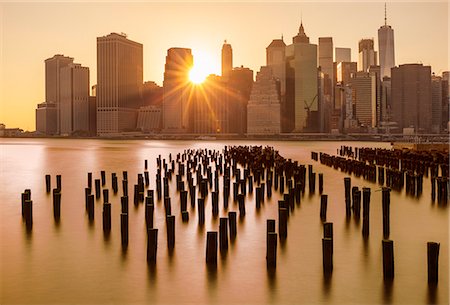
(32, 32)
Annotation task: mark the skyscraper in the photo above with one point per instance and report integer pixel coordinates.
(276, 60)
(436, 103)
(177, 90)
(342, 54)
(119, 83)
(46, 118)
(227, 60)
(367, 55)
(301, 82)
(74, 99)
(52, 86)
(263, 109)
(364, 86)
(411, 96)
(386, 47)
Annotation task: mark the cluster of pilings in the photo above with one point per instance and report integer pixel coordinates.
(396, 169)
(244, 170)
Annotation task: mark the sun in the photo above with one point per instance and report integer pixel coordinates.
(204, 65)
(197, 75)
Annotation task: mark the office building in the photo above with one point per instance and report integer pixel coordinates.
(386, 47)
(342, 54)
(345, 71)
(177, 90)
(445, 100)
(46, 118)
(367, 55)
(241, 82)
(227, 60)
(264, 106)
(74, 99)
(276, 61)
(52, 83)
(364, 86)
(152, 94)
(436, 103)
(301, 83)
(411, 96)
(149, 119)
(119, 83)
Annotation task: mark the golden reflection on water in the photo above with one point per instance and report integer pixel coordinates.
(74, 262)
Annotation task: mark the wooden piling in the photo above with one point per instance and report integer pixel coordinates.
(271, 252)
(211, 248)
(223, 234)
(58, 182)
(282, 222)
(388, 259)
(170, 222)
(124, 229)
(56, 204)
(433, 261)
(47, 183)
(106, 217)
(103, 177)
(152, 245)
(241, 201)
(323, 207)
(386, 201)
(201, 211)
(90, 207)
(320, 183)
(89, 180)
(327, 255)
(233, 225)
(97, 188)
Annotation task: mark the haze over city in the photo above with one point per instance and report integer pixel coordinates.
(33, 32)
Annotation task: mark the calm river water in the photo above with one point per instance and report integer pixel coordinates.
(72, 263)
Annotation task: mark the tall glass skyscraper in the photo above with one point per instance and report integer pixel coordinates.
(386, 48)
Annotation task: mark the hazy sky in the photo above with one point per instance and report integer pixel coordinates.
(31, 32)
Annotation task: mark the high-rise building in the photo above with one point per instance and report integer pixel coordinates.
(367, 55)
(445, 100)
(326, 64)
(436, 103)
(301, 83)
(345, 70)
(263, 109)
(411, 96)
(177, 90)
(241, 82)
(74, 99)
(342, 54)
(52, 86)
(227, 60)
(276, 60)
(386, 47)
(149, 118)
(119, 83)
(364, 86)
(46, 114)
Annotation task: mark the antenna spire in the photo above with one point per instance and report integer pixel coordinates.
(385, 14)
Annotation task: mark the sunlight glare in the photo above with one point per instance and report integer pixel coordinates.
(203, 66)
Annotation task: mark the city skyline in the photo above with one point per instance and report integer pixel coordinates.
(17, 106)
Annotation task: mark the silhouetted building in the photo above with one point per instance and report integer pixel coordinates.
(74, 99)
(276, 60)
(343, 54)
(119, 83)
(52, 82)
(241, 82)
(301, 83)
(367, 55)
(364, 86)
(445, 99)
(177, 90)
(264, 106)
(325, 81)
(411, 96)
(149, 119)
(152, 94)
(436, 103)
(386, 48)
(46, 116)
(385, 101)
(227, 60)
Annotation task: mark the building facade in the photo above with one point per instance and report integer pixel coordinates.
(386, 48)
(119, 83)
(46, 118)
(301, 82)
(53, 67)
(227, 60)
(74, 99)
(177, 90)
(264, 106)
(411, 96)
(367, 55)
